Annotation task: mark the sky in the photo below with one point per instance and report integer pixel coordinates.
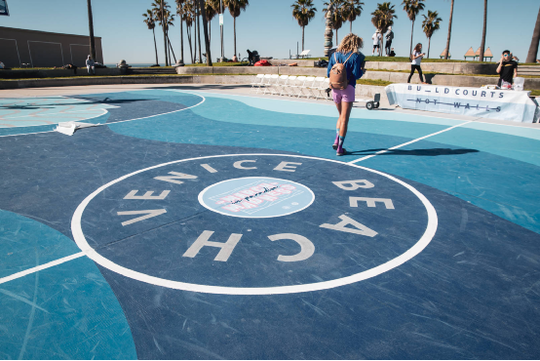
(269, 27)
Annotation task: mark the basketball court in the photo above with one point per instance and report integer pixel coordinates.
(206, 222)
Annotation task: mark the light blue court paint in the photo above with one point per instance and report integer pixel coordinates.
(35, 112)
(327, 108)
(64, 312)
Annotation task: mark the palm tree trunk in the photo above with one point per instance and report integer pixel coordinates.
(189, 42)
(155, 45)
(181, 40)
(449, 30)
(533, 49)
(303, 38)
(171, 49)
(164, 33)
(412, 30)
(205, 33)
(428, 46)
(234, 22)
(483, 42)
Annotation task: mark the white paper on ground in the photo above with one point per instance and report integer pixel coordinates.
(68, 128)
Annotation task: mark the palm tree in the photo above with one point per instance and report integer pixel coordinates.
(430, 24)
(412, 8)
(353, 9)
(160, 9)
(180, 9)
(235, 7)
(188, 16)
(212, 9)
(303, 12)
(383, 17)
(447, 49)
(337, 14)
(484, 28)
(533, 49)
(202, 5)
(149, 20)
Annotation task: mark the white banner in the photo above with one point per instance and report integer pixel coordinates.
(510, 105)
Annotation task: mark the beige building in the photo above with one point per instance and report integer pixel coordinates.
(31, 48)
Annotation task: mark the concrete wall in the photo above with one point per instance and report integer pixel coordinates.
(54, 73)
(530, 83)
(44, 49)
(439, 67)
(449, 68)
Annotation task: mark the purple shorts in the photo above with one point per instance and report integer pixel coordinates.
(346, 95)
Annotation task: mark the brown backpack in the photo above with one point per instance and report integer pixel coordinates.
(338, 75)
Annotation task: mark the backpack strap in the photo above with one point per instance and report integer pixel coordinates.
(335, 58)
(348, 58)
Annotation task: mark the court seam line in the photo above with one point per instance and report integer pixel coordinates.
(41, 267)
(409, 142)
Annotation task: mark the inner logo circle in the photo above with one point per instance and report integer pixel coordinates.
(256, 197)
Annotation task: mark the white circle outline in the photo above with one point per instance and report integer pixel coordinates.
(418, 247)
(201, 200)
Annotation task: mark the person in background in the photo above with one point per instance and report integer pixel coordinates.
(234, 59)
(416, 59)
(507, 70)
(376, 42)
(90, 65)
(389, 37)
(348, 54)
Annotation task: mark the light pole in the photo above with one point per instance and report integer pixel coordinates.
(221, 26)
(91, 26)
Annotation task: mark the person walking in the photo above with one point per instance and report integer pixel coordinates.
(416, 59)
(90, 65)
(348, 57)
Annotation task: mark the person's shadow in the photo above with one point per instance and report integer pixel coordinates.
(431, 152)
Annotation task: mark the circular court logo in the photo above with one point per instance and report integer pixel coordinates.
(256, 197)
(254, 224)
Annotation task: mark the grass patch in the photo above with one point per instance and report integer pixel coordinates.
(245, 63)
(374, 82)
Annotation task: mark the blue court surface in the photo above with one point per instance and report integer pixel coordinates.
(196, 224)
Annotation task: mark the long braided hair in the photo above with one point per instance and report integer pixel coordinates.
(350, 43)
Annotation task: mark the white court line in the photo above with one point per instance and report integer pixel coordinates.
(410, 142)
(41, 267)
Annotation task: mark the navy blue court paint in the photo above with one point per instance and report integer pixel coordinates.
(153, 203)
